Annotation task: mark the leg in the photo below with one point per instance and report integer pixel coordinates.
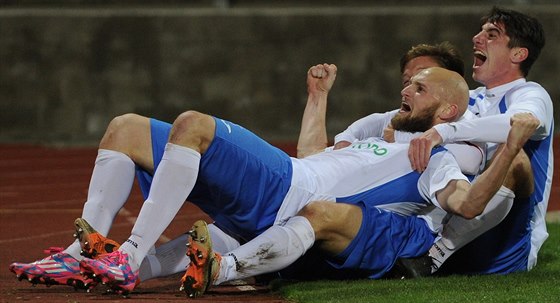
(130, 134)
(170, 258)
(173, 180)
(333, 225)
(359, 238)
(458, 231)
(125, 143)
(175, 177)
(127, 137)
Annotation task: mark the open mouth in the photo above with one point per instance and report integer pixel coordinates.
(405, 107)
(479, 58)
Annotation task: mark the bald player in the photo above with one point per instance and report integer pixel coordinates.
(355, 231)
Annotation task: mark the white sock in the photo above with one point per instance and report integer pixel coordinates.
(172, 183)
(276, 248)
(109, 188)
(167, 259)
(458, 231)
(171, 258)
(221, 242)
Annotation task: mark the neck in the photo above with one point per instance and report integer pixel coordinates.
(499, 83)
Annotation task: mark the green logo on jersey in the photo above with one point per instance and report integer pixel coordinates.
(380, 151)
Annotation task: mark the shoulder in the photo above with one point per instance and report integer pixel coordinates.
(527, 88)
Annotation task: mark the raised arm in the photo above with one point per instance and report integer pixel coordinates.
(532, 99)
(461, 198)
(313, 133)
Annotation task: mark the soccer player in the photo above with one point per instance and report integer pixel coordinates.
(112, 180)
(504, 51)
(358, 235)
(417, 58)
(243, 183)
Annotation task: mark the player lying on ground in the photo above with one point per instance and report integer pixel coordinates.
(361, 236)
(169, 258)
(243, 183)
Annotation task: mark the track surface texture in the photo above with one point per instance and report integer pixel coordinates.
(42, 191)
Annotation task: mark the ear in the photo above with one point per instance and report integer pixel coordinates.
(519, 54)
(449, 112)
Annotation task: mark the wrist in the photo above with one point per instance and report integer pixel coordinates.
(445, 132)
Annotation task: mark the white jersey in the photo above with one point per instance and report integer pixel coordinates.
(470, 157)
(372, 171)
(495, 107)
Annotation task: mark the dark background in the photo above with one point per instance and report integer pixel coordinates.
(68, 67)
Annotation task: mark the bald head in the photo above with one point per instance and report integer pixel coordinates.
(449, 88)
(435, 95)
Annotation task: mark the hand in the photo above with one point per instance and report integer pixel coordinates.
(341, 144)
(389, 133)
(523, 125)
(421, 148)
(320, 78)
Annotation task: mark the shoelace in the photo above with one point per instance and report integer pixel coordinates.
(115, 257)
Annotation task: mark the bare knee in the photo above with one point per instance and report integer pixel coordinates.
(316, 213)
(335, 224)
(194, 130)
(124, 132)
(330, 219)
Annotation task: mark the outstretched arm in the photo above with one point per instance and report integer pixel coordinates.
(468, 201)
(530, 100)
(313, 134)
(373, 125)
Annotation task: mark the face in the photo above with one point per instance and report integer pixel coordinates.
(420, 102)
(493, 65)
(415, 65)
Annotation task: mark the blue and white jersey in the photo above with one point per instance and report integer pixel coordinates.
(372, 171)
(517, 97)
(513, 244)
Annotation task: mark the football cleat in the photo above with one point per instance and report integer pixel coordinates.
(205, 264)
(93, 243)
(412, 268)
(58, 268)
(113, 270)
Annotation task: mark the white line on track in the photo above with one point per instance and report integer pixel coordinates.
(128, 216)
(46, 235)
(241, 285)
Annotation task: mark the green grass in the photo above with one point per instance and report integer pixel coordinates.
(542, 284)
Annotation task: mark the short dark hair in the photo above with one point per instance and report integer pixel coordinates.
(445, 54)
(522, 30)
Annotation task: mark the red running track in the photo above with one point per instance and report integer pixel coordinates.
(42, 191)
